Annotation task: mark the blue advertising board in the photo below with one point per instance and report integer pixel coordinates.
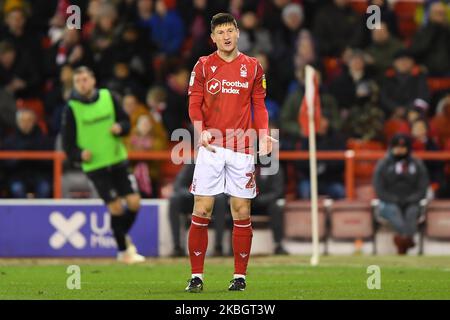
(69, 228)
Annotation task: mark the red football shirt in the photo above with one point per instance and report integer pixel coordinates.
(222, 95)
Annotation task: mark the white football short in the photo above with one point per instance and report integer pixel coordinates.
(224, 171)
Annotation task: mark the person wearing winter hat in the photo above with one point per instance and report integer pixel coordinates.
(401, 181)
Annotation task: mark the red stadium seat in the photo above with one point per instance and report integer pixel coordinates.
(437, 222)
(438, 219)
(297, 221)
(352, 221)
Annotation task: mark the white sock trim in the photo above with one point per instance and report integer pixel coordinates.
(242, 226)
(199, 224)
(198, 275)
(235, 276)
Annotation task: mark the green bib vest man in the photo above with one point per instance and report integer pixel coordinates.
(93, 123)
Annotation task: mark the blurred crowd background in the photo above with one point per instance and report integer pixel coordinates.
(373, 83)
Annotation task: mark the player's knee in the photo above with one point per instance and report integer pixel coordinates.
(134, 202)
(115, 207)
(241, 211)
(204, 212)
(203, 208)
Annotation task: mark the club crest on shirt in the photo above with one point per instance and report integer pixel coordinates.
(243, 70)
(264, 83)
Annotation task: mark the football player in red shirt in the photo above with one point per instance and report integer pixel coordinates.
(226, 89)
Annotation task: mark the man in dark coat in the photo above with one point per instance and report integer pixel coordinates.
(400, 182)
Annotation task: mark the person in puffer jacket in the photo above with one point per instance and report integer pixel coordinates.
(400, 182)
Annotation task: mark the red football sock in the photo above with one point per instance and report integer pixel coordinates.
(242, 243)
(198, 243)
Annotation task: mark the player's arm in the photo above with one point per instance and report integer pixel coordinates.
(69, 136)
(122, 125)
(195, 93)
(260, 114)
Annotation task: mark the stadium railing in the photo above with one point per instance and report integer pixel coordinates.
(350, 157)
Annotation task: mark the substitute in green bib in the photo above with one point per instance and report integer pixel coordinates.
(93, 123)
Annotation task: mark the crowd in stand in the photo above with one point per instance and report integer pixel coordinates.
(373, 83)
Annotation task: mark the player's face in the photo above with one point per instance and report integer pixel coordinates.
(225, 36)
(84, 83)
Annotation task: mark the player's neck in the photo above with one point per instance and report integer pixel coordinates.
(228, 56)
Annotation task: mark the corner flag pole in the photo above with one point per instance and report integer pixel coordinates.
(309, 94)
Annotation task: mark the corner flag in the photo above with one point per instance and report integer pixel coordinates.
(310, 106)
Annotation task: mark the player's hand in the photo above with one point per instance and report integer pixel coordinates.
(205, 139)
(265, 145)
(86, 155)
(116, 129)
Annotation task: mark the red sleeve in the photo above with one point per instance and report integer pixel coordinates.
(195, 94)
(260, 115)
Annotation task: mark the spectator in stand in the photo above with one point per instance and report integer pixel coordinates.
(441, 123)
(7, 111)
(16, 31)
(18, 75)
(431, 44)
(290, 128)
(104, 39)
(176, 114)
(88, 24)
(252, 37)
(355, 87)
(144, 14)
(271, 12)
(306, 53)
(364, 35)
(181, 203)
(56, 99)
(57, 23)
(357, 94)
(329, 172)
(400, 182)
(196, 15)
(334, 27)
(122, 80)
(133, 108)
(238, 7)
(157, 102)
(167, 29)
(404, 87)
(422, 141)
(144, 137)
(283, 40)
(25, 176)
(136, 50)
(70, 50)
(382, 50)
(275, 91)
(440, 127)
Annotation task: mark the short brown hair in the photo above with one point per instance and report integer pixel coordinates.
(222, 18)
(83, 69)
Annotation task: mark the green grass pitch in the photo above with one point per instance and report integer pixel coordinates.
(272, 278)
